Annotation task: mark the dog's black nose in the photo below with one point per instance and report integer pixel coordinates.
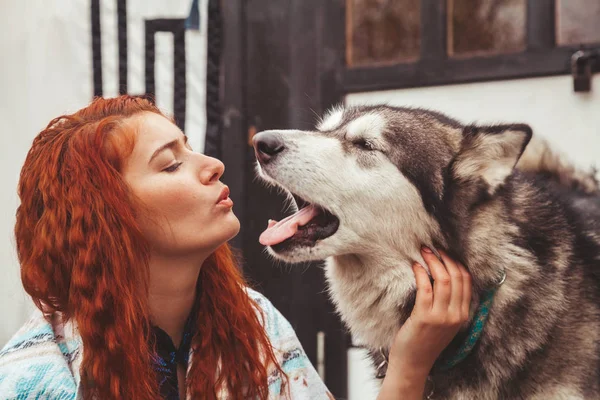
(267, 145)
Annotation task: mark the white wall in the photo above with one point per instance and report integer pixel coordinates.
(36, 84)
(569, 120)
(46, 71)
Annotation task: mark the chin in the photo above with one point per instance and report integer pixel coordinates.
(219, 233)
(231, 227)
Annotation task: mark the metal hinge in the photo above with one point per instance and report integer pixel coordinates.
(582, 62)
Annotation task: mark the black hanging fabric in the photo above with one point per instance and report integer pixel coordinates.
(213, 101)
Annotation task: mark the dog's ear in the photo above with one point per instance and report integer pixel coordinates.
(490, 153)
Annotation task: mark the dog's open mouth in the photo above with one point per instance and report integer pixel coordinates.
(304, 228)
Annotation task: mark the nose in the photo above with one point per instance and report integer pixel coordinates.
(211, 169)
(267, 145)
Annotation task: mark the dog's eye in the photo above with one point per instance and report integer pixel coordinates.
(364, 144)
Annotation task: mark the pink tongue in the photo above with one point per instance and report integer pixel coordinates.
(286, 228)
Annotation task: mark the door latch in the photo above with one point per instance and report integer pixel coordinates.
(582, 62)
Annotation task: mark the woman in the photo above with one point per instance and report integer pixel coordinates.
(121, 235)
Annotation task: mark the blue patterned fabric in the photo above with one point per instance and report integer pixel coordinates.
(36, 363)
(43, 358)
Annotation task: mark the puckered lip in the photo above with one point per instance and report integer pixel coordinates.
(224, 194)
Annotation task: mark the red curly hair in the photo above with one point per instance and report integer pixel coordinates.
(82, 254)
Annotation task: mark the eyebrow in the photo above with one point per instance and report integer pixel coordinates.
(166, 146)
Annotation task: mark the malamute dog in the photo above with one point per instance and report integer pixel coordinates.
(374, 184)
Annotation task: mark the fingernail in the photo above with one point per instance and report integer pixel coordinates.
(417, 265)
(426, 249)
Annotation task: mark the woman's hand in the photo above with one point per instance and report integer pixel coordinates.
(437, 316)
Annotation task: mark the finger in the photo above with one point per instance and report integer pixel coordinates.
(424, 298)
(456, 283)
(441, 280)
(467, 292)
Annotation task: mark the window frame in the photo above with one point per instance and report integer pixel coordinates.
(541, 56)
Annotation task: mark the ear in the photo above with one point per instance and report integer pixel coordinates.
(490, 153)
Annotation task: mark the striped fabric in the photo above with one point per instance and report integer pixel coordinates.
(42, 360)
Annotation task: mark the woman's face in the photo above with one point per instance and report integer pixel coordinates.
(187, 209)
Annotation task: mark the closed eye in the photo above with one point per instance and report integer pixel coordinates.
(173, 168)
(364, 144)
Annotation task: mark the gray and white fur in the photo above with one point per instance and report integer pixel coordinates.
(494, 199)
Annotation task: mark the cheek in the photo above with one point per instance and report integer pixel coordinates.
(174, 200)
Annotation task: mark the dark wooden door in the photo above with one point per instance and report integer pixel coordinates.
(271, 69)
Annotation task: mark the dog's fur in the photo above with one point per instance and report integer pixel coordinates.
(400, 178)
